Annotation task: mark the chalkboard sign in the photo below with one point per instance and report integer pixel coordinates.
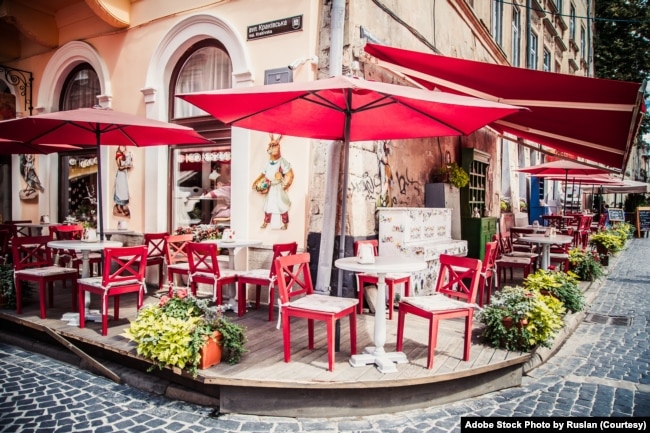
(642, 220)
(616, 215)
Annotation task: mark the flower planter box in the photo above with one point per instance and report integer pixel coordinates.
(211, 352)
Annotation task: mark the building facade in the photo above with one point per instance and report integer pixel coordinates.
(134, 56)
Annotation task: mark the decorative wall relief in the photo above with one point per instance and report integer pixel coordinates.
(28, 172)
(121, 197)
(274, 182)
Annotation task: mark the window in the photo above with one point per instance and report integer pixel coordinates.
(532, 52)
(78, 170)
(516, 36)
(558, 3)
(547, 60)
(572, 23)
(497, 21)
(80, 89)
(583, 42)
(200, 175)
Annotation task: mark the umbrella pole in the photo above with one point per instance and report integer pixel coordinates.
(566, 184)
(344, 205)
(100, 207)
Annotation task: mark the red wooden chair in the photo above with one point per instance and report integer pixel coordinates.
(297, 299)
(559, 256)
(262, 277)
(364, 278)
(20, 231)
(176, 258)
(155, 243)
(124, 273)
(204, 268)
(583, 231)
(508, 259)
(488, 272)
(32, 261)
(446, 302)
(68, 258)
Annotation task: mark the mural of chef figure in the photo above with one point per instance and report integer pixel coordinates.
(121, 196)
(274, 181)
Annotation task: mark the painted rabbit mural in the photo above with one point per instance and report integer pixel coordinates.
(273, 182)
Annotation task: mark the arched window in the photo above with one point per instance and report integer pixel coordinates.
(78, 196)
(80, 89)
(200, 175)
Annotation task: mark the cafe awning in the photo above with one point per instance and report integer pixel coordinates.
(592, 118)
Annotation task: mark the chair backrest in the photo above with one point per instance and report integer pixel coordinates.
(31, 252)
(124, 265)
(67, 232)
(155, 243)
(585, 223)
(175, 248)
(281, 250)
(454, 273)
(602, 220)
(294, 277)
(10, 228)
(20, 231)
(202, 258)
(373, 242)
(490, 257)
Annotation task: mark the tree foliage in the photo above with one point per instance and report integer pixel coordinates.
(622, 42)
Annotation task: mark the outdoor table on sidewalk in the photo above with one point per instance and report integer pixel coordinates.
(85, 248)
(383, 265)
(233, 248)
(546, 242)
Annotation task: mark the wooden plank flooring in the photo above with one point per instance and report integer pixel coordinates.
(263, 365)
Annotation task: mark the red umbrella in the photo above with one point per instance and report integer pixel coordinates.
(349, 109)
(12, 147)
(96, 127)
(563, 167)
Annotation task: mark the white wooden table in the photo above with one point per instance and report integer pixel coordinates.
(85, 248)
(383, 265)
(546, 242)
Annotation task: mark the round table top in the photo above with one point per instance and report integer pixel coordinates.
(383, 264)
(541, 239)
(36, 224)
(81, 245)
(235, 243)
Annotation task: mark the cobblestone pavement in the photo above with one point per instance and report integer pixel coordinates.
(602, 370)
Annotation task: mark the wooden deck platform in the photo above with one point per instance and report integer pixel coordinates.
(264, 384)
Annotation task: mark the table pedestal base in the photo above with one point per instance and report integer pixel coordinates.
(385, 361)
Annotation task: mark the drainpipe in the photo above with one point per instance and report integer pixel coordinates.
(328, 232)
(528, 27)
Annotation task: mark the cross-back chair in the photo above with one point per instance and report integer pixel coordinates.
(488, 272)
(582, 233)
(297, 299)
(155, 243)
(204, 268)
(32, 261)
(123, 273)
(69, 258)
(20, 231)
(455, 295)
(507, 259)
(176, 258)
(392, 280)
(262, 277)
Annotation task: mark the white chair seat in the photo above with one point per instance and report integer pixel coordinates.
(329, 304)
(180, 266)
(224, 274)
(514, 259)
(46, 271)
(97, 282)
(436, 302)
(558, 256)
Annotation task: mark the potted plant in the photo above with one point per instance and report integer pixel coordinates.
(585, 264)
(606, 242)
(454, 174)
(561, 285)
(519, 319)
(175, 331)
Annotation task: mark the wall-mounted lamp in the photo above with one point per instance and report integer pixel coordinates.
(296, 63)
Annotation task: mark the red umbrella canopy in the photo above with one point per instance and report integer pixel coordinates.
(374, 110)
(92, 126)
(95, 127)
(12, 147)
(562, 168)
